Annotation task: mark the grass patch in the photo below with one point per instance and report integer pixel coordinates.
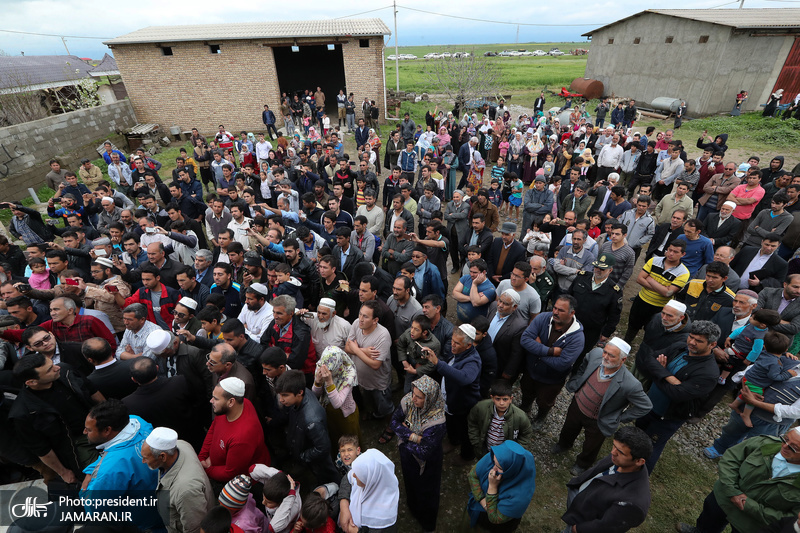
(420, 51)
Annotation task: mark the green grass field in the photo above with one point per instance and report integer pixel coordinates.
(420, 51)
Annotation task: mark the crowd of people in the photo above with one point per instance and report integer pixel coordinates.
(220, 337)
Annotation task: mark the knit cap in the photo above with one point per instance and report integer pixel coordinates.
(234, 495)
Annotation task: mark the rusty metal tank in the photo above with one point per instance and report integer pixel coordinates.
(589, 88)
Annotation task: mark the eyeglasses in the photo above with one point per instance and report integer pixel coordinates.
(180, 315)
(211, 361)
(788, 444)
(39, 344)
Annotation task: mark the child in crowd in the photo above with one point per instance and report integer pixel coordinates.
(286, 284)
(409, 350)
(492, 422)
(506, 192)
(211, 321)
(499, 169)
(769, 368)
(595, 221)
(549, 167)
(515, 200)
(218, 520)
(473, 253)
(236, 498)
(349, 450)
(314, 516)
(281, 498)
(504, 145)
(326, 123)
(495, 195)
(40, 274)
(746, 343)
(535, 235)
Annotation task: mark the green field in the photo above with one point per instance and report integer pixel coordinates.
(420, 51)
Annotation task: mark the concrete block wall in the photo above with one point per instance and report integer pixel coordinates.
(707, 75)
(364, 73)
(194, 88)
(26, 149)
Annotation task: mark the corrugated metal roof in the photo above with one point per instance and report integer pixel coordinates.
(106, 67)
(40, 71)
(255, 30)
(755, 19)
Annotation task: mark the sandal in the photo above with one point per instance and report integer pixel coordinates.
(387, 436)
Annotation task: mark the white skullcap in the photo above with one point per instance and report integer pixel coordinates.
(105, 262)
(732, 205)
(613, 176)
(260, 288)
(678, 306)
(327, 302)
(158, 341)
(623, 346)
(468, 330)
(514, 295)
(107, 199)
(188, 303)
(162, 439)
(233, 386)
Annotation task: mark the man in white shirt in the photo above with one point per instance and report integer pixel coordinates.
(530, 303)
(120, 173)
(263, 147)
(257, 313)
(239, 225)
(609, 158)
(375, 215)
(137, 328)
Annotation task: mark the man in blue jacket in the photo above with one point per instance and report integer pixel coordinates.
(119, 471)
(268, 117)
(427, 277)
(552, 342)
(461, 386)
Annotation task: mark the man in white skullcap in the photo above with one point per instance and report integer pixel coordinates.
(110, 213)
(185, 310)
(235, 439)
(606, 395)
(101, 294)
(666, 328)
(184, 491)
(460, 386)
(257, 313)
(327, 328)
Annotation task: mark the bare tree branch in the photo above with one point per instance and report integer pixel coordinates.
(464, 78)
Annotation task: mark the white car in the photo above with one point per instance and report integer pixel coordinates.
(391, 57)
(556, 53)
(526, 53)
(445, 55)
(506, 53)
(432, 55)
(408, 56)
(539, 53)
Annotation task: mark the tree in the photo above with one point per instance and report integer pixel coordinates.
(464, 78)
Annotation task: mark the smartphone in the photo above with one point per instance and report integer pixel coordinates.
(23, 287)
(150, 230)
(422, 351)
(243, 231)
(100, 253)
(71, 281)
(112, 289)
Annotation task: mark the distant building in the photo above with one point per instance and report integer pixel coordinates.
(704, 56)
(205, 75)
(115, 89)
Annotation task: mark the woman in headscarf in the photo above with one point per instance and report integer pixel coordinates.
(334, 381)
(564, 158)
(530, 164)
(448, 169)
(374, 495)
(772, 103)
(438, 121)
(515, 153)
(464, 121)
(506, 117)
(499, 126)
(581, 146)
(419, 423)
(501, 487)
(374, 143)
(312, 134)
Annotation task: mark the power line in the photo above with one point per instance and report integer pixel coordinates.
(54, 35)
(598, 24)
(362, 13)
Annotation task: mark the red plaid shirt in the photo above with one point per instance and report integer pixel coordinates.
(84, 327)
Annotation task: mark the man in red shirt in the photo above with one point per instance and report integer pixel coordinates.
(68, 326)
(235, 440)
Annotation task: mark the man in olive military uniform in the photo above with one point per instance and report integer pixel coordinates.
(540, 279)
(599, 303)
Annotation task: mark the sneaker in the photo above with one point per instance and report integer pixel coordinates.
(711, 453)
(576, 470)
(681, 527)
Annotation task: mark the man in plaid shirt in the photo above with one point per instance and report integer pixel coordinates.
(68, 326)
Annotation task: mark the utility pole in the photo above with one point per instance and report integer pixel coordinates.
(741, 4)
(63, 40)
(518, 30)
(396, 58)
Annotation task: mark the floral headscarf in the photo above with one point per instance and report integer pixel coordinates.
(444, 137)
(341, 366)
(431, 414)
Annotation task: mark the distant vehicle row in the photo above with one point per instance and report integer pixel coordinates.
(504, 53)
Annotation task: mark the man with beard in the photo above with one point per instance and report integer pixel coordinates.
(258, 312)
(100, 295)
(235, 439)
(327, 329)
(303, 269)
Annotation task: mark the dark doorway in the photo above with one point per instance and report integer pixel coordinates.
(311, 67)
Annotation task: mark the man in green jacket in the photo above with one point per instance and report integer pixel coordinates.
(759, 483)
(494, 421)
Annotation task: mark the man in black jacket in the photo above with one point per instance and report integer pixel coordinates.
(303, 269)
(49, 414)
(27, 224)
(665, 234)
(11, 254)
(681, 377)
(722, 227)
(616, 496)
(760, 267)
(111, 377)
(292, 335)
(307, 429)
(480, 236)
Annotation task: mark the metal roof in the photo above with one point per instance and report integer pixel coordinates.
(28, 73)
(756, 19)
(255, 30)
(106, 67)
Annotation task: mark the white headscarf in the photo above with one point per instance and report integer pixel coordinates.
(375, 505)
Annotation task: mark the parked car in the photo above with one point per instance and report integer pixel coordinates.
(445, 55)
(391, 57)
(506, 53)
(489, 54)
(539, 53)
(408, 56)
(525, 53)
(432, 55)
(556, 53)
(466, 54)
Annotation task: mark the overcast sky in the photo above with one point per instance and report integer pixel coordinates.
(80, 18)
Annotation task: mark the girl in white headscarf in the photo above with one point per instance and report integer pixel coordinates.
(374, 495)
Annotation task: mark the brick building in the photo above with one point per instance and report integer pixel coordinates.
(205, 75)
